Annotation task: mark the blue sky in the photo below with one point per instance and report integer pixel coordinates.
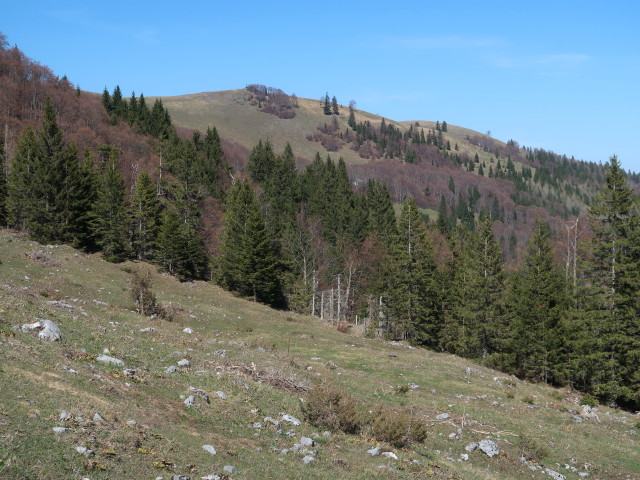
(562, 75)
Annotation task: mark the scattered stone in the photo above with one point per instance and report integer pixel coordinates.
(187, 330)
(307, 442)
(189, 402)
(131, 423)
(148, 330)
(65, 416)
(554, 475)
(583, 474)
(210, 449)
(489, 447)
(111, 360)
(181, 477)
(98, 418)
(128, 372)
(85, 451)
(442, 416)
(257, 426)
(453, 436)
(211, 477)
(171, 369)
(464, 457)
(308, 459)
(229, 469)
(589, 413)
(47, 330)
(326, 433)
(291, 419)
(201, 393)
(221, 394)
(375, 451)
(184, 363)
(413, 386)
(220, 353)
(69, 369)
(60, 429)
(577, 418)
(390, 455)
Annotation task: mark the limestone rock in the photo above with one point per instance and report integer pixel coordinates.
(489, 447)
(375, 451)
(221, 395)
(390, 455)
(190, 400)
(291, 419)
(554, 475)
(85, 451)
(111, 360)
(307, 442)
(210, 449)
(60, 429)
(229, 469)
(171, 369)
(184, 363)
(47, 330)
(308, 459)
(442, 416)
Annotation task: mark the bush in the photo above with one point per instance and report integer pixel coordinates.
(590, 400)
(343, 327)
(328, 407)
(395, 427)
(141, 294)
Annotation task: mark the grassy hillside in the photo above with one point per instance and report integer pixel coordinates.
(263, 361)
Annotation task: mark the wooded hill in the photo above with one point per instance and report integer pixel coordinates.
(326, 241)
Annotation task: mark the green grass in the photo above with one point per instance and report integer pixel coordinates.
(524, 419)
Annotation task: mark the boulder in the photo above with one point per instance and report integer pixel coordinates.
(489, 447)
(307, 442)
(47, 330)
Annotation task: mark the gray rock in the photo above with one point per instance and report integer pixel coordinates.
(442, 416)
(181, 477)
(464, 457)
(229, 469)
(98, 418)
(111, 360)
(131, 423)
(60, 429)
(326, 433)
(554, 475)
(65, 416)
(129, 372)
(307, 442)
(220, 353)
(85, 451)
(308, 459)
(211, 477)
(201, 393)
(148, 330)
(210, 449)
(187, 330)
(47, 330)
(257, 426)
(69, 369)
(577, 418)
(390, 455)
(171, 369)
(453, 436)
(583, 474)
(375, 451)
(489, 447)
(184, 363)
(221, 395)
(291, 419)
(190, 400)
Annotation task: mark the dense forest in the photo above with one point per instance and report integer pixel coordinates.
(310, 241)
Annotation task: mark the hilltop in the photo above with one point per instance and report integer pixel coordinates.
(263, 362)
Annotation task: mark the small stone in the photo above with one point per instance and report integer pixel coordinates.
(442, 416)
(190, 401)
(291, 419)
(583, 474)
(554, 475)
(326, 433)
(187, 330)
(131, 423)
(210, 449)
(184, 363)
(221, 394)
(69, 369)
(453, 436)
(464, 457)
(308, 459)
(489, 447)
(128, 372)
(60, 429)
(111, 360)
(307, 442)
(201, 393)
(577, 418)
(98, 418)
(257, 426)
(390, 455)
(220, 353)
(148, 330)
(65, 416)
(211, 477)
(375, 451)
(229, 469)
(85, 451)
(171, 369)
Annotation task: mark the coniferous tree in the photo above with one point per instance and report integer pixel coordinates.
(352, 119)
(247, 263)
(145, 218)
(381, 218)
(326, 108)
(261, 162)
(110, 212)
(334, 106)
(170, 242)
(20, 179)
(537, 303)
(443, 223)
(3, 182)
(411, 294)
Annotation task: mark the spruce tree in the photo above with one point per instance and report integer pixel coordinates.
(381, 218)
(411, 294)
(247, 263)
(145, 218)
(261, 162)
(334, 106)
(20, 179)
(3, 182)
(110, 212)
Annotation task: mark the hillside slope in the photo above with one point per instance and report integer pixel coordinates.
(262, 361)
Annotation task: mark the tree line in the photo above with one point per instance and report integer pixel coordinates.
(307, 241)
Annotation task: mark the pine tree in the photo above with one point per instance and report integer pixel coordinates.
(612, 307)
(352, 119)
(537, 303)
(334, 106)
(110, 210)
(411, 295)
(326, 108)
(3, 182)
(247, 263)
(145, 218)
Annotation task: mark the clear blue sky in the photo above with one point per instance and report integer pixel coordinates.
(561, 75)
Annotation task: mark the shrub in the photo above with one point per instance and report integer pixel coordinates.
(328, 407)
(589, 399)
(141, 294)
(344, 327)
(395, 427)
